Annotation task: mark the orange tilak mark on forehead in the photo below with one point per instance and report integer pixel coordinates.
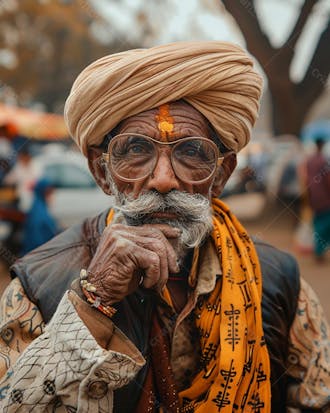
(165, 122)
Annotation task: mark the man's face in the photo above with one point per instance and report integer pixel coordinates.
(167, 123)
(162, 197)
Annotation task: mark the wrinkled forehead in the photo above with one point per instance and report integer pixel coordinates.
(168, 122)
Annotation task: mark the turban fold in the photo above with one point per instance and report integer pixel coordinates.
(216, 78)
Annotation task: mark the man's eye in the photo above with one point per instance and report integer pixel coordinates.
(136, 148)
(190, 150)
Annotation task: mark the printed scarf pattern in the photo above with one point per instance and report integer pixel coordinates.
(236, 367)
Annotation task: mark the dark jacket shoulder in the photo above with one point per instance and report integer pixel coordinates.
(280, 274)
(47, 272)
(280, 292)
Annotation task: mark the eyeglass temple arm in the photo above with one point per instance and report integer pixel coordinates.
(105, 156)
(224, 156)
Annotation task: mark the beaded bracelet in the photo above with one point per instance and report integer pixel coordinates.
(88, 290)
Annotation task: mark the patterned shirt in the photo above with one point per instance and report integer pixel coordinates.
(80, 357)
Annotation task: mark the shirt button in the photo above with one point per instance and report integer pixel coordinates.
(97, 389)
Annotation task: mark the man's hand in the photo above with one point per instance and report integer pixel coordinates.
(126, 253)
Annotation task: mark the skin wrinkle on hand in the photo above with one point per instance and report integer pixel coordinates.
(127, 256)
(122, 243)
(156, 240)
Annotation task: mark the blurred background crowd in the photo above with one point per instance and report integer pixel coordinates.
(45, 185)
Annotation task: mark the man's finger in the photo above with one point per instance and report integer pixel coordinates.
(162, 248)
(149, 261)
(157, 242)
(167, 230)
(148, 229)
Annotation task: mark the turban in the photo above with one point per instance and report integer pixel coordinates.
(216, 78)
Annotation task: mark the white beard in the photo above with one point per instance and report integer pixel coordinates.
(193, 211)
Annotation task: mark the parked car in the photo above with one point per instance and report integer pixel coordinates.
(283, 182)
(76, 195)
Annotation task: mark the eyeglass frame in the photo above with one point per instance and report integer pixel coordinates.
(219, 158)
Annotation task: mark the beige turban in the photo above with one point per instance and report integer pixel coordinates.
(216, 78)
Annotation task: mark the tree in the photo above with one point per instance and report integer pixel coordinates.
(291, 101)
(52, 41)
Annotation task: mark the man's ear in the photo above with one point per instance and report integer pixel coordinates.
(97, 168)
(223, 173)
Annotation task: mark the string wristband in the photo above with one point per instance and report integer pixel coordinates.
(88, 290)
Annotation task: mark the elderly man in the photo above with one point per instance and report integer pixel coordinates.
(155, 305)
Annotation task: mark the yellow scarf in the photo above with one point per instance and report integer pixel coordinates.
(236, 367)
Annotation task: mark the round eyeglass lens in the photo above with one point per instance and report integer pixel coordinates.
(194, 159)
(132, 157)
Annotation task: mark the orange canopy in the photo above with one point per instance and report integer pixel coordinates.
(33, 124)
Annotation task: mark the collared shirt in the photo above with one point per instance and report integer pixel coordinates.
(184, 337)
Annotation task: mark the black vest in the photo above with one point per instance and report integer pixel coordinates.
(47, 272)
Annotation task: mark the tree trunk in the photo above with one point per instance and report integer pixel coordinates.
(291, 101)
(287, 117)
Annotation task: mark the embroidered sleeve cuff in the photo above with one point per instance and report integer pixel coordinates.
(67, 361)
(107, 335)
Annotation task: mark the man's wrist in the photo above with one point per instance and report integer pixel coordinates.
(99, 325)
(90, 294)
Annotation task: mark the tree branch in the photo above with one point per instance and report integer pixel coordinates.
(318, 71)
(246, 17)
(300, 24)
(291, 102)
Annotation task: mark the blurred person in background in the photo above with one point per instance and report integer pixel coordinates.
(10, 217)
(6, 156)
(7, 152)
(316, 179)
(23, 177)
(163, 303)
(39, 226)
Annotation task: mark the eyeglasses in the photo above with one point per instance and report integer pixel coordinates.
(133, 157)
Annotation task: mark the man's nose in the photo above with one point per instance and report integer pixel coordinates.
(163, 178)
